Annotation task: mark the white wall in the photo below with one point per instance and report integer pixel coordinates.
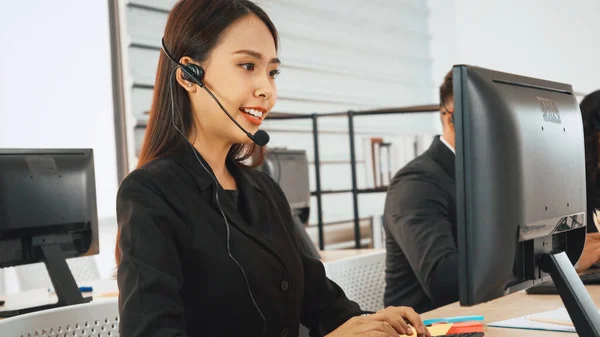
(360, 55)
(55, 85)
(550, 39)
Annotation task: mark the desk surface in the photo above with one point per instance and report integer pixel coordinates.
(334, 255)
(511, 306)
(102, 289)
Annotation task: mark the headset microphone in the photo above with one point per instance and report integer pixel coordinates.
(261, 138)
(195, 73)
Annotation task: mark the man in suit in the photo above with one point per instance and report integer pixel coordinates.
(420, 222)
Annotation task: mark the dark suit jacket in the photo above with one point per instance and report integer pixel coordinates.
(420, 225)
(176, 277)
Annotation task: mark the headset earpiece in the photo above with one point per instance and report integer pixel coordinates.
(193, 73)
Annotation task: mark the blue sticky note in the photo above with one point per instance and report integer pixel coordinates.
(457, 319)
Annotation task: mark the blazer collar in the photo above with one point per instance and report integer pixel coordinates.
(253, 202)
(191, 159)
(441, 154)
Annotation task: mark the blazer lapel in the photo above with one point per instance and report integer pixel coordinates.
(440, 153)
(258, 224)
(254, 203)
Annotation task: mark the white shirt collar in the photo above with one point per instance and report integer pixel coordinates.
(447, 144)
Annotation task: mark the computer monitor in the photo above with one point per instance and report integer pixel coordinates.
(289, 168)
(520, 179)
(47, 214)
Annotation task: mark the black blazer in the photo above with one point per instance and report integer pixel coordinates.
(420, 225)
(176, 277)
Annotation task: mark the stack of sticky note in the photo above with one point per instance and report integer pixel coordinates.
(451, 328)
(465, 327)
(453, 325)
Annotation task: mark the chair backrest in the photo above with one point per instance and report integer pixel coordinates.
(361, 277)
(99, 318)
(35, 276)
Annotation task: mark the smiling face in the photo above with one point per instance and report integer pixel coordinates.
(240, 71)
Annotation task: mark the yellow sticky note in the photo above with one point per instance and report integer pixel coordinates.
(434, 330)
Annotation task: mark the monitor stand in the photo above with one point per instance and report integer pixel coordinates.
(580, 306)
(64, 284)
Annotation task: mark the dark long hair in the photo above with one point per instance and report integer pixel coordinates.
(590, 113)
(193, 28)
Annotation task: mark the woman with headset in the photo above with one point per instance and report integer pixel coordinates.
(206, 244)
(590, 114)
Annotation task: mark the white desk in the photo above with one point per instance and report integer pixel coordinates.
(334, 255)
(101, 289)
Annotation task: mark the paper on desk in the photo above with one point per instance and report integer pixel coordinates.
(559, 316)
(541, 321)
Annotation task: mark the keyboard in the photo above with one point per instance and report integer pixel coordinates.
(590, 276)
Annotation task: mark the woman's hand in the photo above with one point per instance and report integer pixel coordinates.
(391, 321)
(591, 252)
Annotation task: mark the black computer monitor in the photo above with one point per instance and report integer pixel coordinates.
(47, 214)
(520, 179)
(289, 168)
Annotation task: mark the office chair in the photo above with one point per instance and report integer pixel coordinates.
(99, 318)
(361, 277)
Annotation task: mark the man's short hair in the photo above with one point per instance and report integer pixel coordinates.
(446, 92)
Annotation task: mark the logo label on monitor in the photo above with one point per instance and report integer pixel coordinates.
(41, 165)
(549, 110)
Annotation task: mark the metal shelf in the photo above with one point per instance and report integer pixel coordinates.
(318, 193)
(372, 190)
(359, 191)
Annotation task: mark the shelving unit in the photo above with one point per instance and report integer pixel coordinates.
(350, 115)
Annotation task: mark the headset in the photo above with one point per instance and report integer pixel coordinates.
(447, 112)
(195, 73)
